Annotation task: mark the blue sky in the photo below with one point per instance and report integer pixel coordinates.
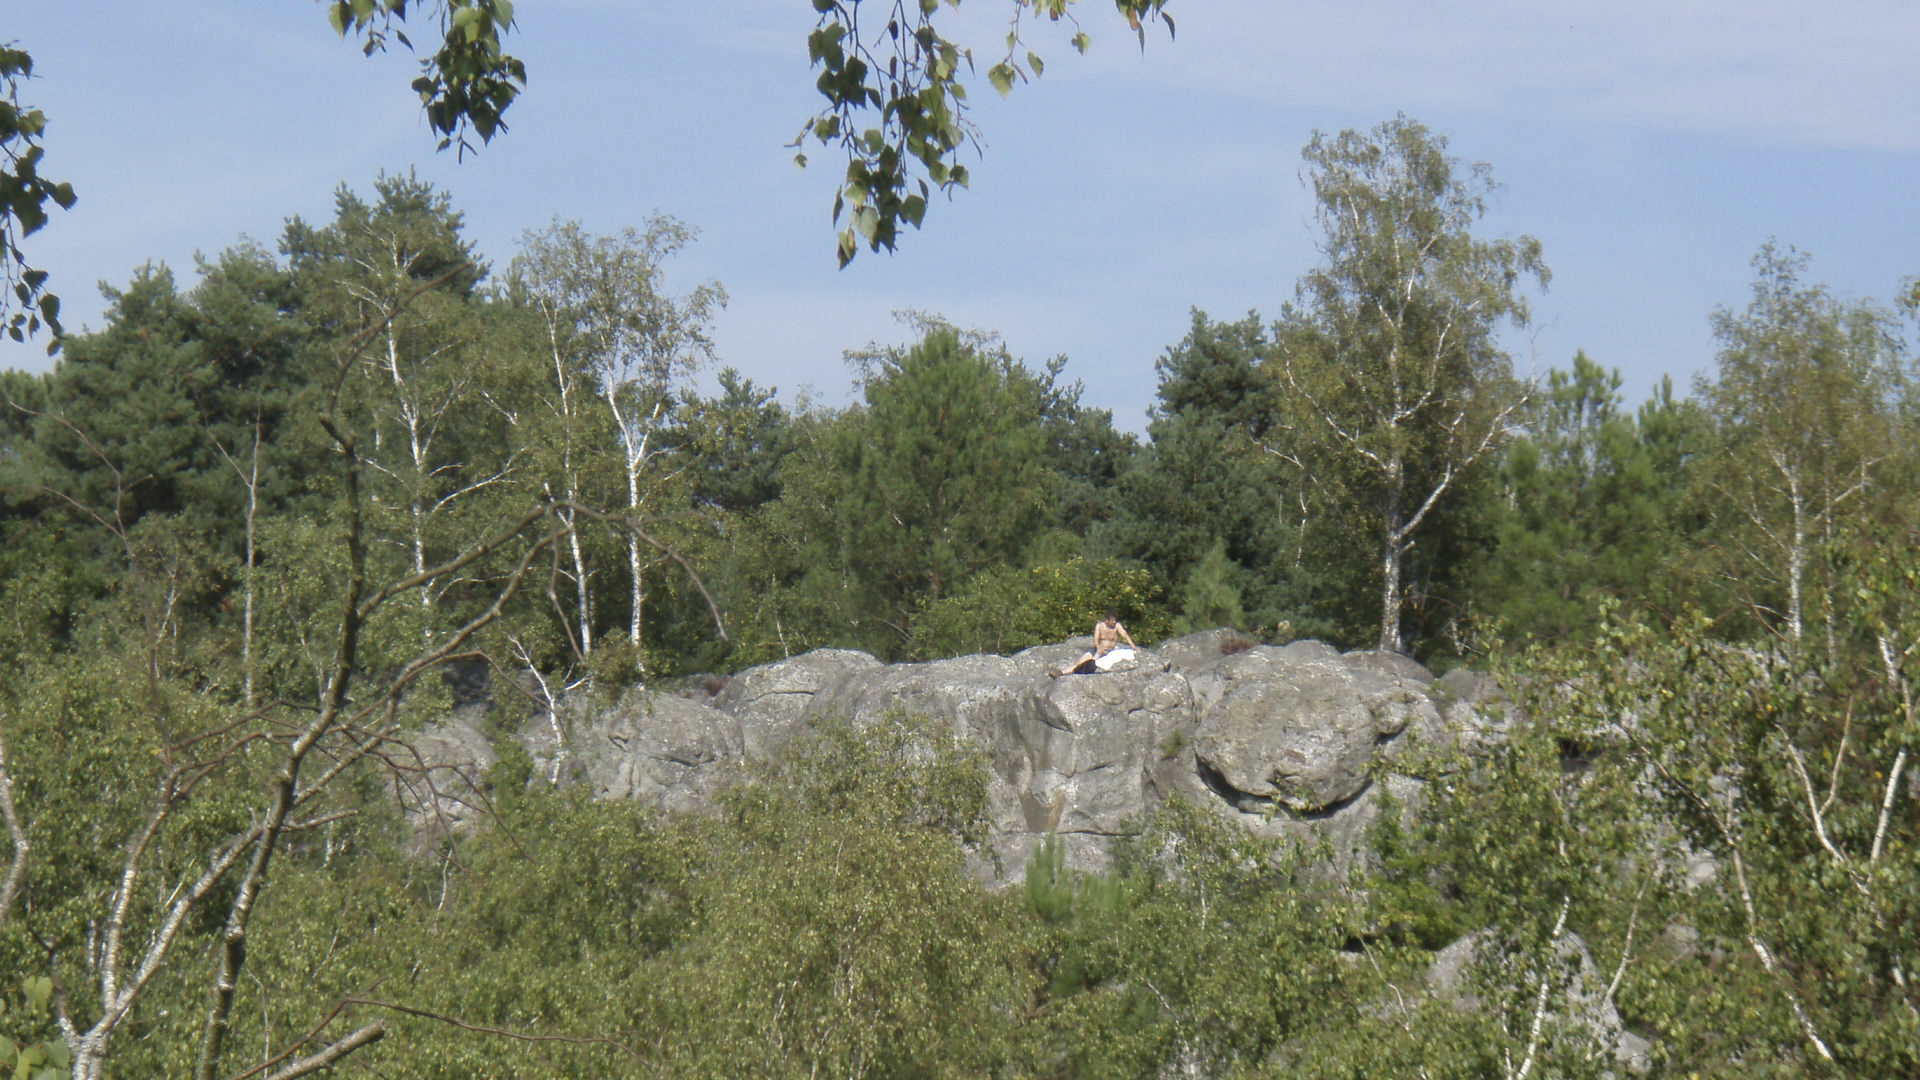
(1651, 147)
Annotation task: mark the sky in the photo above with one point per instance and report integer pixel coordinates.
(1651, 146)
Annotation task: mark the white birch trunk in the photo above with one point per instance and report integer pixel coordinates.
(633, 444)
(583, 597)
(1796, 563)
(247, 582)
(417, 457)
(1394, 549)
(1390, 597)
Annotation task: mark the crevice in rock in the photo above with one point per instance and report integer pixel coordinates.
(1576, 756)
(1088, 832)
(1249, 803)
(1244, 801)
(1331, 808)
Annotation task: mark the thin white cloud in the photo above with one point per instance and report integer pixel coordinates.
(1780, 71)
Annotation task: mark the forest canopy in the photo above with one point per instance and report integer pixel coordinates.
(258, 525)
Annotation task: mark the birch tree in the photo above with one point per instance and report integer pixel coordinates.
(1391, 366)
(617, 333)
(161, 805)
(1786, 781)
(435, 438)
(1805, 402)
(546, 278)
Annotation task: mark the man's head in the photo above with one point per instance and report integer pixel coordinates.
(1112, 616)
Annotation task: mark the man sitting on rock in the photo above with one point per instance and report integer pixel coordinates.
(1107, 635)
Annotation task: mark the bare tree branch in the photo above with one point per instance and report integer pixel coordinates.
(333, 1054)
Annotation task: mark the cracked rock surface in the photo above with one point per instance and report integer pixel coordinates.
(1296, 741)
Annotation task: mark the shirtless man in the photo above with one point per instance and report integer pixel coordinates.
(1107, 636)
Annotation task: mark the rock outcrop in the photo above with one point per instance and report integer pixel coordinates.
(1297, 741)
(1581, 1002)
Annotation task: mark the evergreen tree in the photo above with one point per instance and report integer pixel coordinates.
(1591, 505)
(735, 443)
(1223, 468)
(944, 477)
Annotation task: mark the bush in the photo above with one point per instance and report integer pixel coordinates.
(1006, 610)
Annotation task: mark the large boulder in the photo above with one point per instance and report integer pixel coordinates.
(440, 772)
(1301, 725)
(1195, 651)
(668, 751)
(1474, 712)
(1078, 757)
(770, 701)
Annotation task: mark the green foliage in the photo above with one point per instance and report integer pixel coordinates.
(1393, 384)
(1059, 895)
(736, 443)
(826, 921)
(616, 347)
(944, 476)
(24, 195)
(1004, 610)
(1594, 503)
(783, 570)
(1203, 949)
(1209, 597)
(1717, 813)
(41, 1060)
(896, 104)
(468, 82)
(1723, 794)
(1211, 475)
(850, 938)
(1806, 401)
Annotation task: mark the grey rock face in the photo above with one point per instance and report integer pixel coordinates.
(668, 751)
(1284, 740)
(1075, 756)
(1195, 651)
(1581, 997)
(441, 772)
(1474, 712)
(770, 702)
(1299, 725)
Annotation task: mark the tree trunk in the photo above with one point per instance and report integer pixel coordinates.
(582, 596)
(1390, 596)
(1796, 564)
(633, 550)
(247, 582)
(417, 456)
(1393, 551)
(635, 445)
